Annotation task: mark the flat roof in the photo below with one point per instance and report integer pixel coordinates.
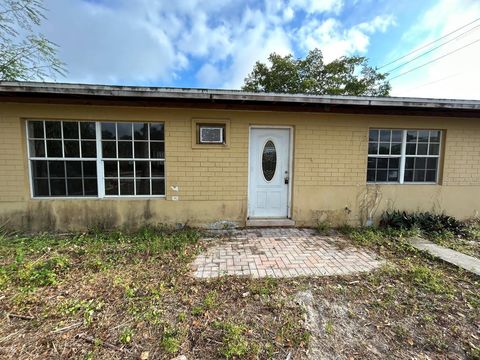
(93, 94)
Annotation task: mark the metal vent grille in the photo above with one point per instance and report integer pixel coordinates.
(211, 135)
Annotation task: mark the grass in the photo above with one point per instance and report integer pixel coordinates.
(132, 293)
(417, 305)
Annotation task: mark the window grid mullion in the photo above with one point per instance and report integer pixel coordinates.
(134, 175)
(403, 157)
(150, 177)
(118, 176)
(83, 179)
(99, 159)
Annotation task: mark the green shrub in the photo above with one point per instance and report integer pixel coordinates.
(429, 223)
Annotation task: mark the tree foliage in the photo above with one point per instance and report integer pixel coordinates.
(25, 54)
(349, 75)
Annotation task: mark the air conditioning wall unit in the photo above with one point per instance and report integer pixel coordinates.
(211, 134)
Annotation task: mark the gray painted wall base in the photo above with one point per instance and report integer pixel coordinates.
(466, 262)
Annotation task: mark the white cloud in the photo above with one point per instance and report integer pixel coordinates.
(334, 40)
(162, 42)
(209, 75)
(454, 76)
(288, 14)
(317, 6)
(101, 44)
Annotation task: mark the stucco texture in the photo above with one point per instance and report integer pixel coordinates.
(329, 170)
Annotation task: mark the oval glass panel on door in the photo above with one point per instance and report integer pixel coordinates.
(269, 160)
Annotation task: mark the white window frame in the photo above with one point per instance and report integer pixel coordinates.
(403, 156)
(98, 159)
(118, 159)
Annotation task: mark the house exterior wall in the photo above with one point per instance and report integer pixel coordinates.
(329, 170)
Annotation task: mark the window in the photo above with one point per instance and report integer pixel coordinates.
(133, 156)
(403, 156)
(62, 158)
(269, 160)
(65, 157)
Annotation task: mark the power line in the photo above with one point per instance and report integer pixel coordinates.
(427, 45)
(434, 60)
(431, 50)
(435, 81)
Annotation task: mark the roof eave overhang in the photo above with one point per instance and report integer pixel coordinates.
(231, 100)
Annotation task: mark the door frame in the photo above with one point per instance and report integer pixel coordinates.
(290, 164)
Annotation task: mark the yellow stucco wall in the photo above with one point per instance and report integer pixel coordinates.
(329, 170)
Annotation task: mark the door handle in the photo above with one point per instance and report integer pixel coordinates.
(286, 181)
(286, 178)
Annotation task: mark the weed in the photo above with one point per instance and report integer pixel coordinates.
(292, 333)
(401, 332)
(171, 340)
(95, 263)
(429, 279)
(474, 353)
(182, 316)
(234, 342)
(126, 336)
(210, 300)
(197, 310)
(264, 286)
(152, 315)
(329, 329)
(3, 277)
(41, 272)
(88, 309)
(323, 227)
(130, 291)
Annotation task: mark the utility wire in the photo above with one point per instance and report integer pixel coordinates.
(427, 45)
(434, 60)
(435, 81)
(431, 50)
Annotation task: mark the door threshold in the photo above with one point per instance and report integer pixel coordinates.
(270, 223)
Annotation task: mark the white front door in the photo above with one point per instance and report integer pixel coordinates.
(269, 163)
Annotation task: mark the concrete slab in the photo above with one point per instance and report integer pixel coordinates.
(270, 223)
(463, 261)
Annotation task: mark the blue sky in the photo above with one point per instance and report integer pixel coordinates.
(214, 43)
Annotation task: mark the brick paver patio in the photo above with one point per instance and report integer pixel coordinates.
(281, 253)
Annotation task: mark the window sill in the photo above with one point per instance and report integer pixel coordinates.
(158, 197)
(405, 183)
(210, 146)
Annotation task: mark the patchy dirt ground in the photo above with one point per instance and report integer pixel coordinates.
(132, 296)
(119, 296)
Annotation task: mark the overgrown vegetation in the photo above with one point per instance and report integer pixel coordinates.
(113, 295)
(126, 294)
(429, 223)
(440, 228)
(420, 307)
